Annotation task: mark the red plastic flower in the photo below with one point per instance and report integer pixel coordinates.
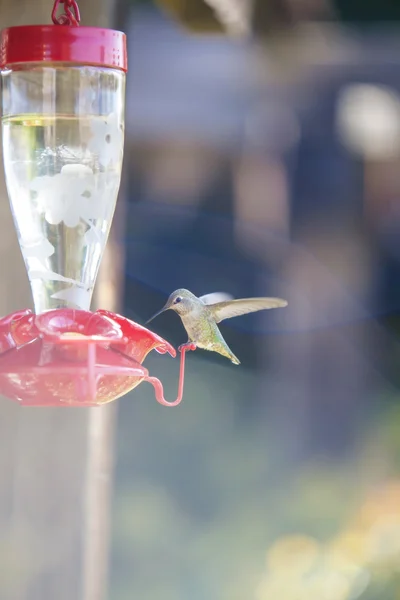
(68, 357)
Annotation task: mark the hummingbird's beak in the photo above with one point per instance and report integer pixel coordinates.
(164, 308)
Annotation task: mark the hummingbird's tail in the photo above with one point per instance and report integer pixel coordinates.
(226, 351)
(234, 359)
(222, 348)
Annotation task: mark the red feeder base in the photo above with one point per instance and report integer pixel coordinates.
(68, 357)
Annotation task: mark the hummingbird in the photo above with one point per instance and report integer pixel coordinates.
(201, 315)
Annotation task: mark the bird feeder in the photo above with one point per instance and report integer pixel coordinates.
(63, 102)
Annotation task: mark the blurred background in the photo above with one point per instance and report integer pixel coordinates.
(261, 161)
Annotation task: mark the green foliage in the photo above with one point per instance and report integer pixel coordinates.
(201, 496)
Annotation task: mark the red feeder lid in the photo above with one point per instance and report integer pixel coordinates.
(63, 44)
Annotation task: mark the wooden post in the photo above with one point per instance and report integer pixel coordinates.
(102, 423)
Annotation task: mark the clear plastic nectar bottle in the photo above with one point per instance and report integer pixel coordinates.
(63, 137)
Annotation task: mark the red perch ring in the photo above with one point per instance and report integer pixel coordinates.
(68, 357)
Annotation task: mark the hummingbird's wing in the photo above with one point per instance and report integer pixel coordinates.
(215, 297)
(235, 308)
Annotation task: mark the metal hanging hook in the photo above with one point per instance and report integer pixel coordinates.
(71, 14)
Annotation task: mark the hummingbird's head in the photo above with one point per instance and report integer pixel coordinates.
(181, 301)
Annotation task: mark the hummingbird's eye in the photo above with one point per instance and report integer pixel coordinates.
(178, 299)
